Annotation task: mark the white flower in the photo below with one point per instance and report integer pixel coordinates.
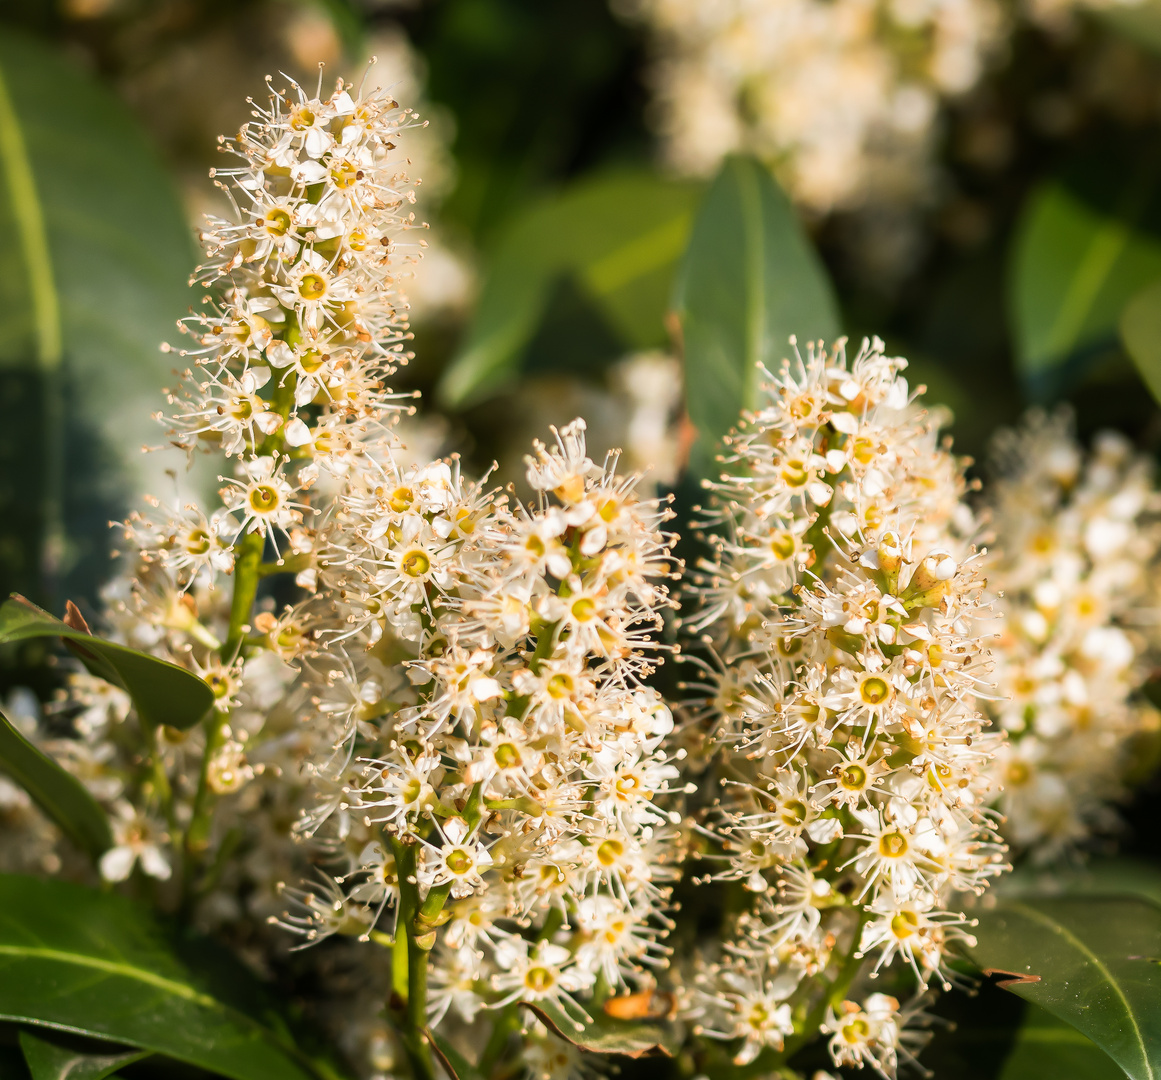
(136, 840)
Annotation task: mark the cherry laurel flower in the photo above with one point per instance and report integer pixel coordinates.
(844, 636)
(1078, 538)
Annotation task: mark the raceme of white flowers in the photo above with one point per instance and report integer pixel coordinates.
(1077, 541)
(840, 96)
(440, 751)
(842, 608)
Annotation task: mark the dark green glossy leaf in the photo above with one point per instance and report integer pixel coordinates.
(49, 1060)
(1047, 1048)
(93, 274)
(749, 280)
(619, 237)
(162, 693)
(1141, 333)
(1090, 962)
(57, 792)
(604, 1035)
(95, 964)
(1085, 244)
(1121, 876)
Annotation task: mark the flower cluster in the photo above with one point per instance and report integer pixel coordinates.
(515, 777)
(301, 322)
(842, 611)
(842, 97)
(1077, 540)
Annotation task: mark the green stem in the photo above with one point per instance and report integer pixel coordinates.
(412, 1017)
(247, 564)
(247, 559)
(160, 778)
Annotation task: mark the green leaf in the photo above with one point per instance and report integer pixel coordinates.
(1141, 334)
(1047, 1048)
(51, 1061)
(749, 280)
(57, 792)
(604, 1035)
(1085, 244)
(452, 1061)
(1088, 961)
(162, 693)
(618, 237)
(1121, 876)
(93, 273)
(1140, 21)
(96, 964)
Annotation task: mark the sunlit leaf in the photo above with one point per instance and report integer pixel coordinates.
(1085, 244)
(604, 1035)
(162, 693)
(93, 275)
(57, 792)
(95, 964)
(749, 280)
(1141, 333)
(49, 1060)
(618, 238)
(1092, 962)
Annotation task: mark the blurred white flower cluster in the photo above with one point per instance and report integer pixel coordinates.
(841, 97)
(1077, 539)
(842, 608)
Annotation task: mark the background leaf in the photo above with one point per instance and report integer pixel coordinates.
(1140, 327)
(162, 693)
(605, 1035)
(1092, 957)
(91, 280)
(617, 238)
(95, 964)
(749, 280)
(1047, 1048)
(1085, 244)
(58, 793)
(49, 1060)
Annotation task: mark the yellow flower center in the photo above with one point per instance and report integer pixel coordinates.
(874, 691)
(893, 844)
(312, 286)
(264, 498)
(415, 563)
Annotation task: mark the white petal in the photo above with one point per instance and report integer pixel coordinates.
(297, 433)
(117, 863)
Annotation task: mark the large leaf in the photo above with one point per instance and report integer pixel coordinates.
(1047, 1048)
(604, 1035)
(1141, 333)
(58, 793)
(1085, 244)
(749, 280)
(618, 237)
(95, 964)
(93, 275)
(1092, 962)
(48, 1060)
(1120, 876)
(162, 693)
